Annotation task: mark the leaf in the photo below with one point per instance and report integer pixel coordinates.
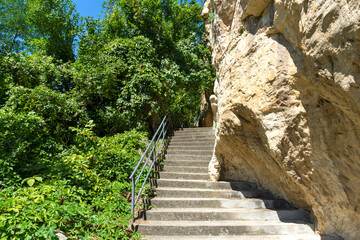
(38, 179)
(31, 182)
(2, 218)
(13, 210)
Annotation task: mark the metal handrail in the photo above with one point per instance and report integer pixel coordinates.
(160, 133)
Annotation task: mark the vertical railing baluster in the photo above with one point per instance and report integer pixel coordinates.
(153, 156)
(133, 196)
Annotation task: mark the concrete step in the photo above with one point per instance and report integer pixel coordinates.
(198, 129)
(209, 193)
(192, 134)
(248, 237)
(218, 214)
(209, 147)
(185, 169)
(219, 203)
(183, 163)
(223, 228)
(191, 141)
(190, 176)
(192, 144)
(193, 158)
(178, 183)
(194, 137)
(190, 152)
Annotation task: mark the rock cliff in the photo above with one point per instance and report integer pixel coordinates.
(288, 102)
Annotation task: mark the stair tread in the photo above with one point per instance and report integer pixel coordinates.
(185, 155)
(215, 199)
(199, 143)
(206, 181)
(195, 180)
(221, 210)
(203, 189)
(226, 223)
(176, 160)
(190, 150)
(186, 128)
(182, 173)
(193, 167)
(192, 140)
(224, 202)
(186, 169)
(254, 237)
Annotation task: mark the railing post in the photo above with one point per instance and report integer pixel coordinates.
(154, 152)
(154, 168)
(133, 198)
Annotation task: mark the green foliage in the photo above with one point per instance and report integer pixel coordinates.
(83, 195)
(33, 70)
(92, 39)
(211, 16)
(72, 130)
(164, 22)
(59, 111)
(54, 27)
(13, 27)
(47, 26)
(40, 211)
(150, 59)
(112, 157)
(21, 142)
(122, 86)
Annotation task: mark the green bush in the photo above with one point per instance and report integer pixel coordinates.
(123, 87)
(84, 196)
(40, 211)
(22, 147)
(32, 70)
(59, 110)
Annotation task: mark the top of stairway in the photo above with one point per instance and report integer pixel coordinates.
(195, 129)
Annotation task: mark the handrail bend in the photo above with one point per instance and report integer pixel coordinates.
(153, 154)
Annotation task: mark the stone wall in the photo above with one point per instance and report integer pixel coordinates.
(288, 102)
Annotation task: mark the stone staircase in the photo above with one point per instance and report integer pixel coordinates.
(188, 206)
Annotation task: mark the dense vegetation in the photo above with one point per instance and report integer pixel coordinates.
(79, 97)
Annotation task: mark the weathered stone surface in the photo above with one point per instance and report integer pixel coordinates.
(288, 107)
(206, 114)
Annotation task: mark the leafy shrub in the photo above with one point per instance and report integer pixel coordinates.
(58, 110)
(32, 70)
(84, 196)
(34, 131)
(123, 85)
(109, 158)
(22, 146)
(39, 212)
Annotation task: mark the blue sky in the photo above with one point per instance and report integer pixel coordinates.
(90, 7)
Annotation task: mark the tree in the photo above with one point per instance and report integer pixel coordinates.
(164, 22)
(54, 25)
(49, 26)
(13, 27)
(116, 70)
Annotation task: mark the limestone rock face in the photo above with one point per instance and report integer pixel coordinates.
(288, 102)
